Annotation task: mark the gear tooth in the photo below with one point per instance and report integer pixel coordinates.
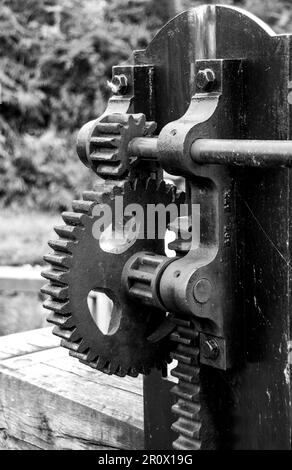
(188, 374)
(58, 292)
(117, 118)
(106, 155)
(92, 196)
(139, 117)
(100, 363)
(60, 320)
(183, 443)
(108, 128)
(190, 411)
(133, 372)
(130, 122)
(55, 275)
(175, 337)
(109, 170)
(93, 363)
(187, 428)
(62, 245)
(64, 342)
(135, 184)
(107, 368)
(106, 141)
(81, 356)
(128, 187)
(57, 306)
(151, 184)
(58, 259)
(91, 357)
(117, 190)
(171, 191)
(162, 187)
(70, 338)
(82, 346)
(112, 367)
(139, 186)
(150, 128)
(108, 194)
(140, 121)
(67, 231)
(85, 207)
(73, 218)
(180, 197)
(121, 371)
(64, 335)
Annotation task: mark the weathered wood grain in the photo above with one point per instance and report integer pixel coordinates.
(50, 401)
(19, 278)
(20, 344)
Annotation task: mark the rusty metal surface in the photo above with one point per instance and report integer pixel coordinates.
(235, 152)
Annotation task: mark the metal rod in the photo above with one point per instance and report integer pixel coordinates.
(250, 153)
(144, 147)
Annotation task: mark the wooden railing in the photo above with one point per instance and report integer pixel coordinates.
(28, 279)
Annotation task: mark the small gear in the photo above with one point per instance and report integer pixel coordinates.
(79, 265)
(102, 144)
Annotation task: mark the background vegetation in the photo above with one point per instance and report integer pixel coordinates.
(55, 59)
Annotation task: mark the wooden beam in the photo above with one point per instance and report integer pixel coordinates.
(20, 279)
(49, 400)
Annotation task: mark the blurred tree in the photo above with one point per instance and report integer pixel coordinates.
(55, 60)
(165, 9)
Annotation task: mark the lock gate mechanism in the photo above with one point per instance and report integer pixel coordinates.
(192, 308)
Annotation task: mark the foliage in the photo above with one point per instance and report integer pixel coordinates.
(55, 60)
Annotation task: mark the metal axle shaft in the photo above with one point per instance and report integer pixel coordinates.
(250, 153)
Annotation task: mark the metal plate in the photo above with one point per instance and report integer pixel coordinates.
(249, 407)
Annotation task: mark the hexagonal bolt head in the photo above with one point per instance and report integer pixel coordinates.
(205, 79)
(119, 84)
(210, 349)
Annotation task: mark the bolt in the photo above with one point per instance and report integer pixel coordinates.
(202, 291)
(205, 79)
(210, 349)
(119, 84)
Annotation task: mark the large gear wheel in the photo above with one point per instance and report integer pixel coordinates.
(79, 265)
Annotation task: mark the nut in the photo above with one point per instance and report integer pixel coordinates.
(205, 79)
(119, 84)
(210, 349)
